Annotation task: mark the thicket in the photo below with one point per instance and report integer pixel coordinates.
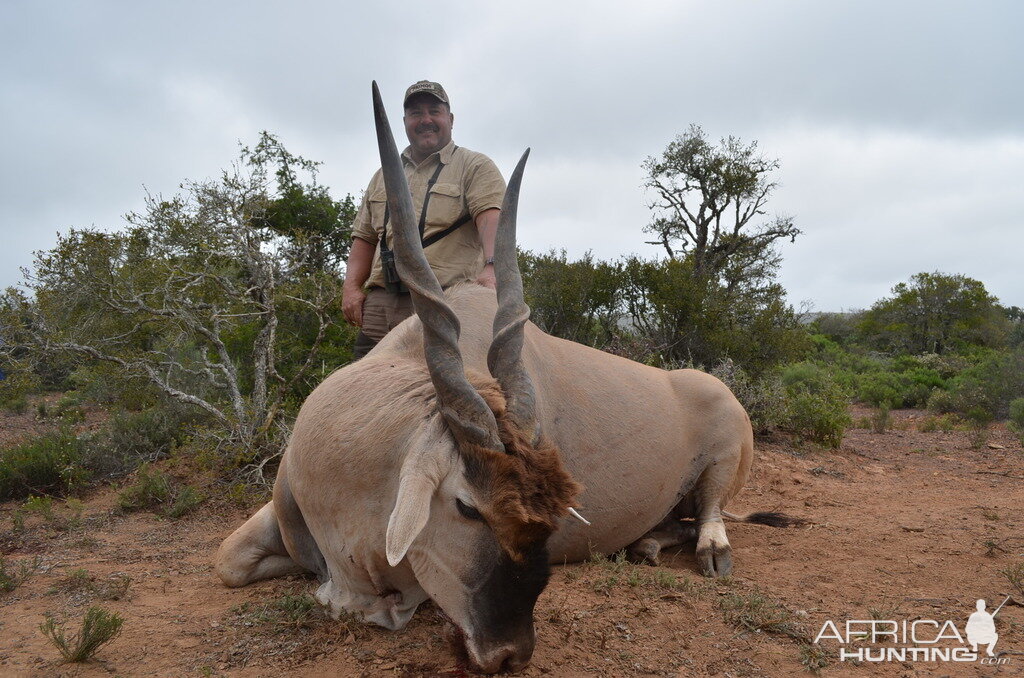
(218, 310)
(940, 341)
(219, 305)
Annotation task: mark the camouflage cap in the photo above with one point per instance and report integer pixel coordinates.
(432, 88)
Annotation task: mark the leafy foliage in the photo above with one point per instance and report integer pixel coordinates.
(1017, 417)
(154, 490)
(703, 321)
(708, 197)
(49, 464)
(222, 298)
(576, 300)
(935, 313)
(817, 404)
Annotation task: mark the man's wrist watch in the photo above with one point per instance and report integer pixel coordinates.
(489, 261)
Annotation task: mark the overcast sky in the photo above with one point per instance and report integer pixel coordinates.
(898, 125)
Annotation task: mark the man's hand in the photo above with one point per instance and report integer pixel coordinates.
(356, 273)
(486, 277)
(352, 299)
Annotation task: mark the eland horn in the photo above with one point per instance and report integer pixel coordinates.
(504, 357)
(468, 416)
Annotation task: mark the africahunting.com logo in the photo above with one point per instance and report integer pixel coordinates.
(918, 640)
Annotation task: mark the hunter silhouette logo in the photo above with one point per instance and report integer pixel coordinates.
(981, 628)
(928, 640)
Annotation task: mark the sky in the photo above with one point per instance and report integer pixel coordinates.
(897, 125)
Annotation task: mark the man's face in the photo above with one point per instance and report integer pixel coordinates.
(428, 124)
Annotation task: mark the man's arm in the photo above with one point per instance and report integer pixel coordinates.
(360, 259)
(487, 228)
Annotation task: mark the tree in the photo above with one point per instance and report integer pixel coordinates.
(709, 201)
(716, 296)
(935, 313)
(575, 300)
(686, 318)
(222, 297)
(304, 213)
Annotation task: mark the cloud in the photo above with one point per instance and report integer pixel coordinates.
(897, 123)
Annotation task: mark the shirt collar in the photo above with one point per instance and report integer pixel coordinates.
(445, 154)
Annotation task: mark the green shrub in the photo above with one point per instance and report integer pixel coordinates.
(69, 408)
(99, 627)
(881, 387)
(151, 490)
(15, 387)
(991, 384)
(150, 433)
(17, 404)
(817, 407)
(764, 398)
(880, 419)
(186, 501)
(978, 419)
(155, 491)
(50, 464)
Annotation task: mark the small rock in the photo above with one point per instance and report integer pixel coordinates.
(911, 528)
(996, 446)
(802, 614)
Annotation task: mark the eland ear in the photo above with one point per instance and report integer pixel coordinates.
(412, 508)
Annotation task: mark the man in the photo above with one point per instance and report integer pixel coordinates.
(456, 195)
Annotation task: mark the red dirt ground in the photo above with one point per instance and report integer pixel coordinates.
(905, 525)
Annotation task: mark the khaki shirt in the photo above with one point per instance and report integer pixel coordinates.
(469, 184)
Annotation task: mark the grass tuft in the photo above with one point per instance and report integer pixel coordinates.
(99, 627)
(1014, 574)
(757, 613)
(813, 658)
(11, 577)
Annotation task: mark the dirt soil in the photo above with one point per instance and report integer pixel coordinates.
(904, 525)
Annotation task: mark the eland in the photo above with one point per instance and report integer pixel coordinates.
(458, 459)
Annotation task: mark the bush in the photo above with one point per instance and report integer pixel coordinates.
(17, 404)
(151, 490)
(99, 627)
(880, 418)
(155, 491)
(817, 408)
(151, 433)
(51, 464)
(763, 398)
(922, 382)
(991, 384)
(881, 388)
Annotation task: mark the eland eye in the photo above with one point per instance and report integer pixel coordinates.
(467, 511)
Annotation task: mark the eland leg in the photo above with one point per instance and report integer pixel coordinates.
(255, 551)
(670, 532)
(714, 554)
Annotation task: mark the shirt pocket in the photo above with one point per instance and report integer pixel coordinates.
(445, 207)
(378, 203)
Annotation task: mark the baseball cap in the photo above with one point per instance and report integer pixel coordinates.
(429, 87)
